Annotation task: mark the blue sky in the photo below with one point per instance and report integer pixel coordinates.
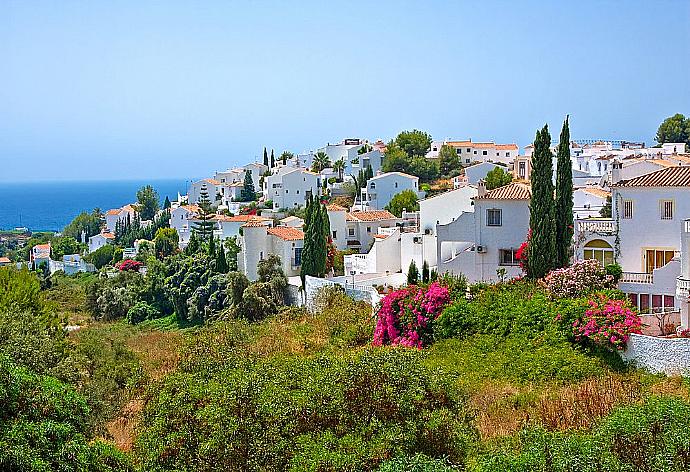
(150, 89)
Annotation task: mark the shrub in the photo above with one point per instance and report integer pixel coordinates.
(615, 271)
(608, 323)
(129, 265)
(406, 316)
(416, 463)
(142, 311)
(580, 278)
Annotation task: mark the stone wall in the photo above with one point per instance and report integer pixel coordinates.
(670, 356)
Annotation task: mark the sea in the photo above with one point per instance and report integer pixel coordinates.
(50, 206)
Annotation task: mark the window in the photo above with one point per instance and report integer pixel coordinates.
(368, 229)
(460, 150)
(522, 172)
(298, 257)
(627, 209)
(475, 152)
(484, 153)
(656, 258)
(666, 209)
(335, 234)
(469, 150)
(372, 185)
(493, 217)
(467, 161)
(396, 185)
(507, 257)
(350, 232)
(507, 154)
(600, 250)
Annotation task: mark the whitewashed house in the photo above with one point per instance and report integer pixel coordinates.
(119, 214)
(181, 219)
(482, 244)
(644, 235)
(39, 254)
(229, 226)
(289, 187)
(338, 223)
(258, 241)
(383, 257)
(470, 152)
(381, 189)
(97, 241)
(589, 201)
(683, 280)
(477, 172)
(362, 226)
(214, 188)
(292, 221)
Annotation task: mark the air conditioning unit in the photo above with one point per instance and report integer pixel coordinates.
(417, 240)
(481, 249)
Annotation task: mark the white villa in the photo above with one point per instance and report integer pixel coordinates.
(289, 187)
(119, 214)
(588, 201)
(470, 152)
(99, 240)
(184, 217)
(644, 236)
(259, 240)
(381, 189)
(482, 243)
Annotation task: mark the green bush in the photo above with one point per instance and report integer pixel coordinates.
(614, 270)
(344, 412)
(654, 436)
(416, 463)
(142, 311)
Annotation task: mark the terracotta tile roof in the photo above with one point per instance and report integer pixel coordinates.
(241, 218)
(113, 212)
(5, 260)
(507, 147)
(670, 177)
(108, 235)
(596, 191)
(380, 236)
(287, 233)
(663, 162)
(372, 215)
(42, 247)
(192, 208)
(334, 207)
(459, 143)
(512, 191)
(483, 145)
(253, 224)
(212, 181)
(349, 217)
(117, 211)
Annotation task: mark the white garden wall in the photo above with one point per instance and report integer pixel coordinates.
(670, 356)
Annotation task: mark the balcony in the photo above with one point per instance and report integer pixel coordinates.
(603, 227)
(683, 287)
(637, 278)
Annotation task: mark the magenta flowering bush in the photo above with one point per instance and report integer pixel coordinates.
(129, 265)
(608, 323)
(581, 277)
(406, 315)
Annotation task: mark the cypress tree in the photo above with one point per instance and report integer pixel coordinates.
(205, 226)
(425, 272)
(167, 204)
(307, 267)
(273, 160)
(412, 274)
(221, 261)
(265, 157)
(192, 245)
(542, 246)
(212, 247)
(248, 192)
(564, 198)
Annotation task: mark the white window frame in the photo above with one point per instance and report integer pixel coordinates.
(491, 221)
(666, 209)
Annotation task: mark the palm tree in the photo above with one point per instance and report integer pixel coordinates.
(339, 167)
(320, 162)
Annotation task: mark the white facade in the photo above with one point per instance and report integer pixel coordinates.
(470, 152)
(258, 242)
(443, 208)
(289, 187)
(381, 189)
(118, 214)
(337, 219)
(215, 189)
(478, 172)
(383, 257)
(588, 201)
(483, 242)
(99, 240)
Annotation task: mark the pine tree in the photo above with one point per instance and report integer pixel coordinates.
(425, 272)
(273, 160)
(167, 203)
(265, 157)
(542, 247)
(204, 227)
(564, 198)
(192, 245)
(248, 193)
(221, 261)
(412, 274)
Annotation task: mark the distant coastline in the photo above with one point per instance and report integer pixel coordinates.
(50, 205)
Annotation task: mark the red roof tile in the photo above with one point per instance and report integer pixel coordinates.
(512, 191)
(670, 177)
(373, 215)
(286, 233)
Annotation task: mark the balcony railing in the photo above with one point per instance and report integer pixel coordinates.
(637, 278)
(683, 286)
(686, 226)
(596, 226)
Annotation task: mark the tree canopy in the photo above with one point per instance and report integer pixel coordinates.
(89, 223)
(413, 143)
(405, 200)
(448, 160)
(148, 202)
(675, 129)
(564, 199)
(497, 177)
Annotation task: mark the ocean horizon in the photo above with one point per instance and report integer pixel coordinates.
(51, 205)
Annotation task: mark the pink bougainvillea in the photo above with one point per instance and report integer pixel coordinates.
(607, 322)
(406, 315)
(129, 265)
(581, 277)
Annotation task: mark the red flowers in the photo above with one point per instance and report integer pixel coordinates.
(608, 323)
(406, 315)
(129, 265)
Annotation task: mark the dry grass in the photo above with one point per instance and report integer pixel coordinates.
(123, 429)
(502, 409)
(158, 351)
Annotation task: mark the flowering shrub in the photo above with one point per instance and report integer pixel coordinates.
(406, 315)
(607, 322)
(129, 265)
(522, 252)
(581, 277)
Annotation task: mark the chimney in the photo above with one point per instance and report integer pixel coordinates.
(481, 188)
(616, 170)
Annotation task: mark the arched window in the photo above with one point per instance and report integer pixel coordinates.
(600, 250)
